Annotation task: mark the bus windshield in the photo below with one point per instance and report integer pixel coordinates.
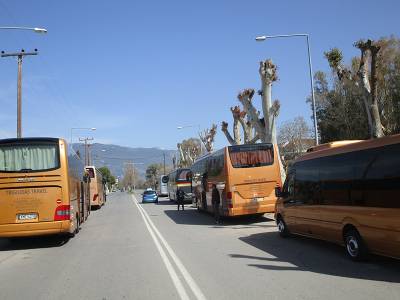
(24, 157)
(249, 156)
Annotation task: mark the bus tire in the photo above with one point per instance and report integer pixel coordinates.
(354, 244)
(282, 227)
(78, 224)
(76, 230)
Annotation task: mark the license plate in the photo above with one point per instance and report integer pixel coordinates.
(258, 199)
(27, 217)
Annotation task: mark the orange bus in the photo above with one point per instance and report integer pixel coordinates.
(42, 188)
(97, 193)
(245, 175)
(348, 193)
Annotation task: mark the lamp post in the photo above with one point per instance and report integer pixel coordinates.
(189, 126)
(20, 55)
(34, 29)
(307, 36)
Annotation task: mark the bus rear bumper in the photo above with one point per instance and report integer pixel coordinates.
(34, 229)
(251, 210)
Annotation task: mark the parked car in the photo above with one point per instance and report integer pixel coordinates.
(149, 196)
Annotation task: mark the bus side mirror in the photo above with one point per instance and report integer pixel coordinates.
(279, 193)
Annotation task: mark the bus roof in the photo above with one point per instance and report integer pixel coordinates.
(348, 146)
(30, 139)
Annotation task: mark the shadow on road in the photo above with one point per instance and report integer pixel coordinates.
(32, 243)
(304, 254)
(191, 216)
(165, 202)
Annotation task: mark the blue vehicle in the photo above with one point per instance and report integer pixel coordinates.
(149, 197)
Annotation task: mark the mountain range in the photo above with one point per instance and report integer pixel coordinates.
(117, 157)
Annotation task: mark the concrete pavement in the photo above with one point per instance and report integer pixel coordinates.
(116, 256)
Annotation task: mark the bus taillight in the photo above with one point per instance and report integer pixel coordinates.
(95, 197)
(62, 213)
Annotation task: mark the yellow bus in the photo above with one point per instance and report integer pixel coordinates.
(42, 189)
(348, 193)
(245, 175)
(97, 192)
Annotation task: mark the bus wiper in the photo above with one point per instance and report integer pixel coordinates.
(25, 170)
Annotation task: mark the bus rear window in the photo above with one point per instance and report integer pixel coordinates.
(250, 156)
(26, 157)
(183, 175)
(90, 172)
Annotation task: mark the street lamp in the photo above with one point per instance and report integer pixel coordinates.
(81, 128)
(20, 55)
(307, 36)
(34, 29)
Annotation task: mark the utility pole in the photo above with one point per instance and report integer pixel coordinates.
(164, 162)
(19, 55)
(87, 158)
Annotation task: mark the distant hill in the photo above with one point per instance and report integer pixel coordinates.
(114, 157)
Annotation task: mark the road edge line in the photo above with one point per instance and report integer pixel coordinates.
(172, 273)
(185, 273)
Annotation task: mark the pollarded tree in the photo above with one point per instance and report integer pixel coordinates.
(246, 127)
(189, 151)
(365, 79)
(264, 127)
(207, 137)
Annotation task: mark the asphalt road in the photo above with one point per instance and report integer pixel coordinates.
(127, 250)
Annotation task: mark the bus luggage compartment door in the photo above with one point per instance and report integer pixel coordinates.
(29, 204)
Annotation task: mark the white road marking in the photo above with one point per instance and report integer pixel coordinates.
(186, 275)
(175, 279)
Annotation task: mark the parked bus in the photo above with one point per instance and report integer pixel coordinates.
(42, 188)
(246, 176)
(97, 192)
(180, 179)
(163, 186)
(347, 193)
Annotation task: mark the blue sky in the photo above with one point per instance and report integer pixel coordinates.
(136, 70)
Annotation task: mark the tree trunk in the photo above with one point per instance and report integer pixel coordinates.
(245, 98)
(266, 105)
(224, 128)
(377, 125)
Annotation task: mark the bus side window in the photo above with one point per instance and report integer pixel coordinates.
(290, 185)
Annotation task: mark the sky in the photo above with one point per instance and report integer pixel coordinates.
(136, 70)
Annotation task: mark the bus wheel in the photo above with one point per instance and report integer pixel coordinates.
(355, 247)
(78, 223)
(282, 227)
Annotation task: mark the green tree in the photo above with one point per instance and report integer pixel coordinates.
(153, 171)
(344, 109)
(107, 176)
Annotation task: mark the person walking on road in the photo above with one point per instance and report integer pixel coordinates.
(216, 199)
(180, 198)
